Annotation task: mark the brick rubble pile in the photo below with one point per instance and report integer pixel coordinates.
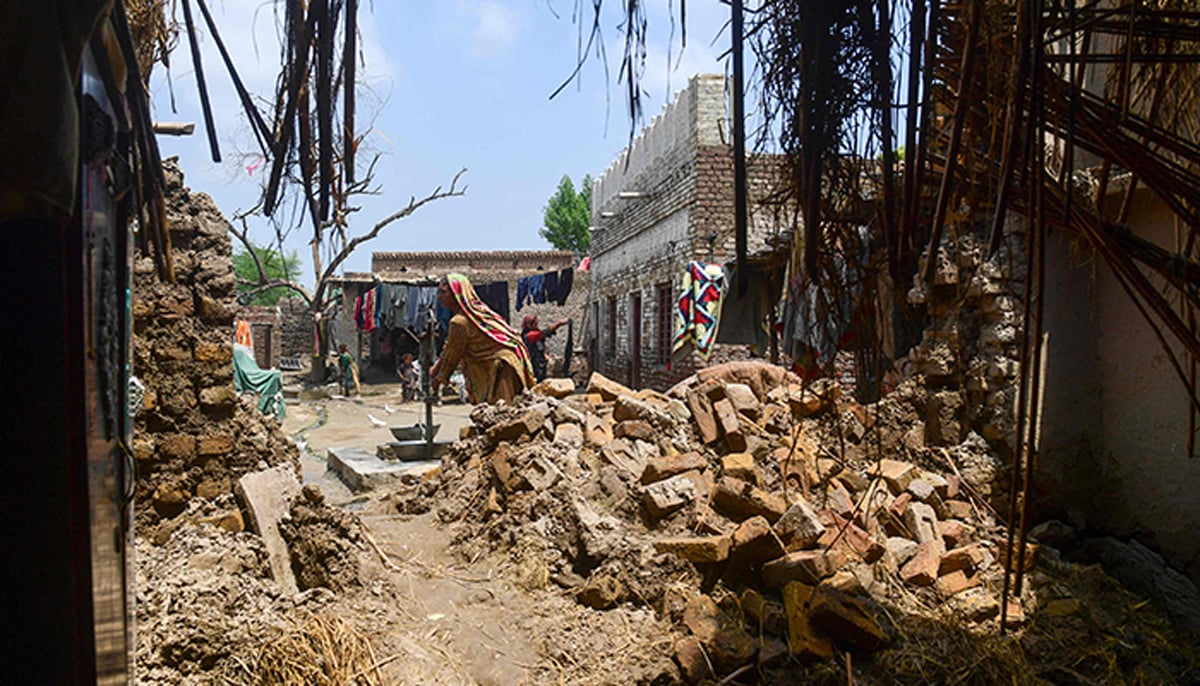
(805, 511)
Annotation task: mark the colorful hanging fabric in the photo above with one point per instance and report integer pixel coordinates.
(698, 310)
(368, 310)
(243, 335)
(484, 318)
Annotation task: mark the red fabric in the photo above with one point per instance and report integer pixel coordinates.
(535, 335)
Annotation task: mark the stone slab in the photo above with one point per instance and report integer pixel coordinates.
(266, 496)
(363, 471)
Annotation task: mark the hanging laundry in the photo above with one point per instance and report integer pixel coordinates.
(358, 303)
(559, 287)
(392, 305)
(585, 264)
(421, 299)
(530, 289)
(243, 335)
(413, 301)
(368, 310)
(698, 311)
(378, 304)
(495, 296)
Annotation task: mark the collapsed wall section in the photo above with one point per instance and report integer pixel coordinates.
(193, 436)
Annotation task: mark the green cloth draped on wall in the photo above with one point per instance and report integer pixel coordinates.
(267, 383)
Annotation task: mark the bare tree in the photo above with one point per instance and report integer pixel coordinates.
(321, 298)
(311, 146)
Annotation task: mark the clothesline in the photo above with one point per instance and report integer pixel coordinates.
(405, 304)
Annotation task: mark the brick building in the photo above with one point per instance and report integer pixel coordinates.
(666, 200)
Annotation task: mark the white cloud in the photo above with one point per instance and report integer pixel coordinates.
(492, 26)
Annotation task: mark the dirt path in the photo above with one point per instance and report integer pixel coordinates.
(436, 619)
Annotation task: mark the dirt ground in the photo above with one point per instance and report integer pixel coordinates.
(430, 618)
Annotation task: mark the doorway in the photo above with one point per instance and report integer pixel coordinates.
(635, 340)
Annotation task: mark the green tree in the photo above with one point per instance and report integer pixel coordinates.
(275, 267)
(566, 216)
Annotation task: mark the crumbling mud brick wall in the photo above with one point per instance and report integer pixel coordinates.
(193, 436)
(667, 200)
(969, 355)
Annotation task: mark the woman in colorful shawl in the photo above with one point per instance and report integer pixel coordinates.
(493, 358)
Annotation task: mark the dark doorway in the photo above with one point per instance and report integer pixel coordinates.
(635, 340)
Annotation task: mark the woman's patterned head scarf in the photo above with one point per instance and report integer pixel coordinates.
(483, 317)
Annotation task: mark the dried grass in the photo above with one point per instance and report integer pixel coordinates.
(154, 31)
(324, 651)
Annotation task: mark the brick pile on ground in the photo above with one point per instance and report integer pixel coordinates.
(768, 520)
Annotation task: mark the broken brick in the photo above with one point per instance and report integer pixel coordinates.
(839, 528)
(959, 509)
(922, 568)
(529, 422)
(636, 429)
(807, 566)
(923, 524)
(799, 525)
(743, 400)
(954, 533)
(607, 388)
(703, 416)
(844, 619)
(730, 425)
(555, 388)
(703, 618)
(838, 498)
(598, 430)
(703, 549)
(955, 582)
(804, 642)
(754, 542)
(666, 467)
(569, 434)
(741, 466)
(897, 474)
(692, 663)
(920, 489)
(664, 497)
(742, 500)
(764, 615)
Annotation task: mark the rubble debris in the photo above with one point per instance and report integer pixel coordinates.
(730, 485)
(321, 542)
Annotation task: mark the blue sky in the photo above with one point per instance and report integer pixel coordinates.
(448, 84)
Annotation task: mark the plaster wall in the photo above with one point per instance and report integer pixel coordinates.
(1116, 414)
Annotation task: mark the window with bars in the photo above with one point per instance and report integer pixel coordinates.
(664, 331)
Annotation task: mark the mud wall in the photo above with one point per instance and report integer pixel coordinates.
(969, 354)
(193, 436)
(1115, 423)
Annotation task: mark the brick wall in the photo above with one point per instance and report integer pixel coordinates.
(296, 332)
(677, 180)
(193, 436)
